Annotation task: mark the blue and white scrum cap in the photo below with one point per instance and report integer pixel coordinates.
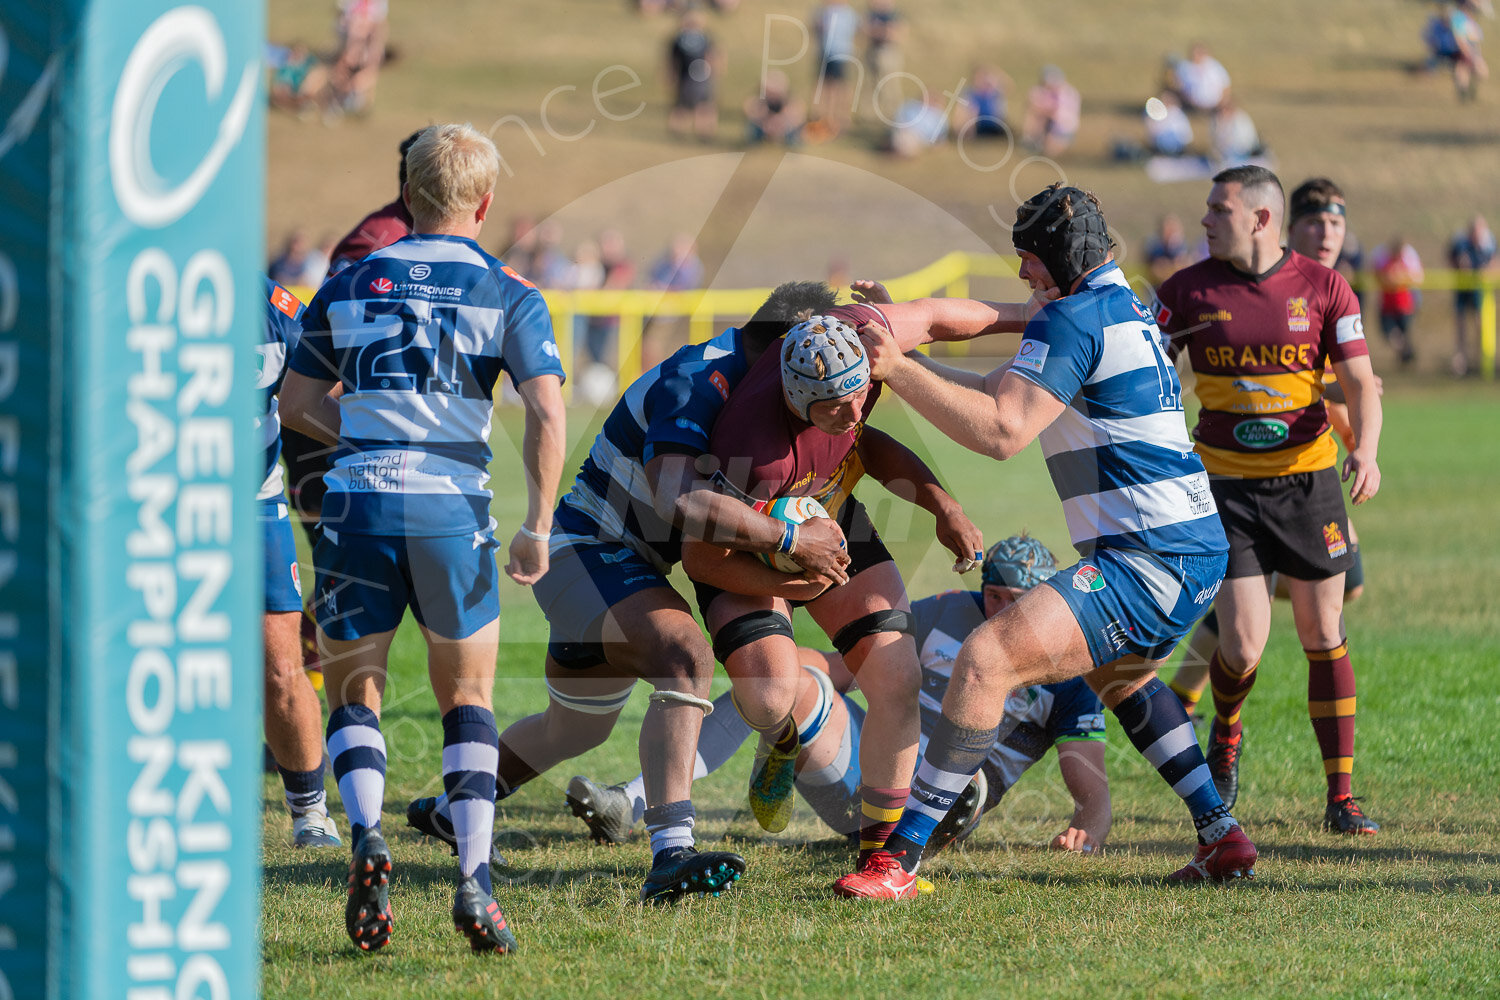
(821, 358)
(1019, 561)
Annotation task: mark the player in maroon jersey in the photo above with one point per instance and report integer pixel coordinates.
(795, 426)
(1259, 323)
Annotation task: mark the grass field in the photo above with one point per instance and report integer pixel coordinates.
(1411, 912)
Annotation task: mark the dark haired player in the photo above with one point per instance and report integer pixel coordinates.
(1091, 381)
(1260, 324)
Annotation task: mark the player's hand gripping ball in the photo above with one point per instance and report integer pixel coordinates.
(792, 510)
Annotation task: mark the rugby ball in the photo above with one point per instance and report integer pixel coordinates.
(793, 510)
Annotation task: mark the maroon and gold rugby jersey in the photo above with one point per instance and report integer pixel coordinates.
(1259, 345)
(766, 451)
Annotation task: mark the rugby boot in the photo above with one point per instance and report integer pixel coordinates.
(1223, 758)
(367, 914)
(961, 820)
(1344, 815)
(605, 809)
(477, 916)
(771, 782)
(1230, 857)
(881, 877)
(682, 871)
(422, 815)
(315, 828)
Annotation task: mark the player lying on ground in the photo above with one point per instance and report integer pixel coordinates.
(1091, 380)
(1066, 715)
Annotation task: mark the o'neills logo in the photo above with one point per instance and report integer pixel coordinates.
(1262, 432)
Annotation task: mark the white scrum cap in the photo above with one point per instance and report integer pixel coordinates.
(821, 358)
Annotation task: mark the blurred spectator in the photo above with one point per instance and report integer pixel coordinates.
(835, 26)
(1472, 254)
(356, 69)
(983, 105)
(1202, 81)
(381, 227)
(549, 265)
(693, 66)
(294, 266)
(1453, 37)
(618, 272)
(1052, 113)
(1168, 131)
(1167, 251)
(920, 124)
(1351, 264)
(1398, 269)
(1233, 134)
(521, 251)
(678, 269)
(885, 30)
(319, 259)
(775, 116)
(299, 80)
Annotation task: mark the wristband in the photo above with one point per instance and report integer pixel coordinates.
(535, 536)
(788, 539)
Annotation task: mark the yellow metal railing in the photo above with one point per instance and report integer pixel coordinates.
(948, 275)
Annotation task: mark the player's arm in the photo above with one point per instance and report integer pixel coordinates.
(923, 321)
(741, 573)
(1082, 766)
(903, 472)
(689, 502)
(310, 406)
(998, 424)
(543, 452)
(1362, 391)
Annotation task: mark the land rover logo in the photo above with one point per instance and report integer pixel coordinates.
(1261, 433)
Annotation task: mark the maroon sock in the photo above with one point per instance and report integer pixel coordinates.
(880, 809)
(1330, 703)
(1230, 692)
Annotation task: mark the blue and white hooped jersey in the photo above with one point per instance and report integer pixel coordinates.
(418, 333)
(1119, 455)
(282, 330)
(1044, 714)
(670, 409)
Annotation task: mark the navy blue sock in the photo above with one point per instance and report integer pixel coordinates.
(1156, 723)
(304, 789)
(670, 826)
(954, 754)
(357, 749)
(471, 751)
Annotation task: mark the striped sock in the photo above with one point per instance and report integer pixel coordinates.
(304, 789)
(833, 790)
(880, 810)
(1230, 692)
(1330, 703)
(471, 752)
(358, 753)
(954, 755)
(670, 825)
(1189, 696)
(1158, 727)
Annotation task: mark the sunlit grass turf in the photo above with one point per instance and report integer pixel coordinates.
(1410, 912)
